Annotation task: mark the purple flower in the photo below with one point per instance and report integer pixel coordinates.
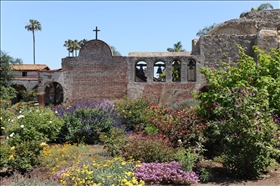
(216, 104)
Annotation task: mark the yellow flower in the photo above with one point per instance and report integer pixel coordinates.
(11, 157)
(13, 148)
(43, 144)
(3, 128)
(1, 118)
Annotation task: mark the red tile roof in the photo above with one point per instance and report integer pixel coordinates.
(29, 67)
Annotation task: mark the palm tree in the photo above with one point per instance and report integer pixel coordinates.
(70, 46)
(206, 29)
(33, 26)
(115, 51)
(264, 6)
(76, 46)
(178, 47)
(82, 42)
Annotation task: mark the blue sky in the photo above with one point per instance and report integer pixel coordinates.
(130, 26)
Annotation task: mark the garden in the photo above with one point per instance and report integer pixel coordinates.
(234, 123)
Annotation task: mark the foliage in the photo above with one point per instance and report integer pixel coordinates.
(264, 6)
(149, 148)
(84, 120)
(113, 141)
(186, 158)
(134, 112)
(165, 173)
(29, 95)
(33, 123)
(103, 173)
(206, 29)
(5, 70)
(183, 126)
(241, 108)
(184, 104)
(205, 174)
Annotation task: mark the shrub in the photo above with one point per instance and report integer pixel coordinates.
(240, 102)
(183, 126)
(165, 173)
(149, 148)
(33, 123)
(84, 120)
(135, 113)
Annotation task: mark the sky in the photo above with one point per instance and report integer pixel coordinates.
(129, 26)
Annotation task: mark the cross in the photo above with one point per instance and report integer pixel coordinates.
(96, 30)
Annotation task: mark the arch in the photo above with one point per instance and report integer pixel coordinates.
(191, 70)
(141, 71)
(53, 93)
(231, 30)
(159, 71)
(176, 70)
(19, 89)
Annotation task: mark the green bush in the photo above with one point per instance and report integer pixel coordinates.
(243, 104)
(135, 113)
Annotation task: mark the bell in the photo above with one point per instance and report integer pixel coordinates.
(159, 71)
(141, 71)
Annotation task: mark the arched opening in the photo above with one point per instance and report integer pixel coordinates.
(19, 89)
(53, 93)
(191, 70)
(176, 71)
(159, 71)
(141, 71)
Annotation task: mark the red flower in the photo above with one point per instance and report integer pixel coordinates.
(185, 132)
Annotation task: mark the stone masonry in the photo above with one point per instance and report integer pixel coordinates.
(96, 74)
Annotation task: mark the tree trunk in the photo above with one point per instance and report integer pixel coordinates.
(33, 46)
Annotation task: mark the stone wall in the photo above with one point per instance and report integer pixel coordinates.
(222, 48)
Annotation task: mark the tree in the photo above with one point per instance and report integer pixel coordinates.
(76, 46)
(264, 6)
(115, 51)
(33, 26)
(82, 42)
(178, 47)
(206, 30)
(5, 62)
(70, 46)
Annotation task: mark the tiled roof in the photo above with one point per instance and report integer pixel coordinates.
(29, 67)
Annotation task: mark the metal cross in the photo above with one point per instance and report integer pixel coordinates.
(96, 30)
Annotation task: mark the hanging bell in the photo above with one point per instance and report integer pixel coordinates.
(159, 71)
(141, 71)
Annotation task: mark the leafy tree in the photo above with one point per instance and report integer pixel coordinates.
(33, 26)
(82, 42)
(115, 51)
(70, 46)
(5, 62)
(264, 6)
(206, 30)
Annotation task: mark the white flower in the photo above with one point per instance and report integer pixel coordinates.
(12, 120)
(37, 110)
(21, 126)
(11, 135)
(179, 141)
(50, 121)
(20, 116)
(56, 112)
(7, 137)
(9, 120)
(20, 111)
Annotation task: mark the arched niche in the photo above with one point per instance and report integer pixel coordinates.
(159, 71)
(141, 71)
(53, 93)
(176, 70)
(191, 70)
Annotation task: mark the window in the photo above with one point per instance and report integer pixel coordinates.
(141, 71)
(176, 70)
(191, 70)
(159, 71)
(24, 74)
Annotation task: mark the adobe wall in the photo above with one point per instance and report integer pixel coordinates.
(95, 74)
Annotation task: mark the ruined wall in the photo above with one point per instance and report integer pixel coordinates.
(162, 92)
(95, 74)
(217, 48)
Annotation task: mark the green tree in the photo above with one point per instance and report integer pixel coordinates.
(264, 6)
(115, 51)
(82, 42)
(33, 26)
(70, 46)
(178, 47)
(76, 46)
(5, 62)
(206, 30)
